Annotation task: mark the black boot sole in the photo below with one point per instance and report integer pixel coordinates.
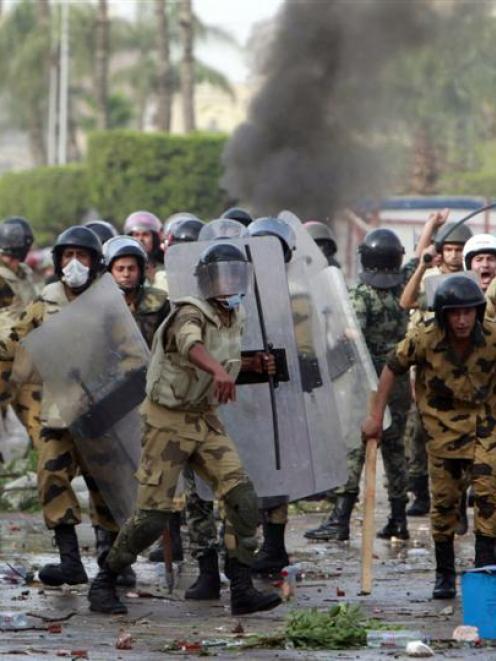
(444, 594)
(267, 606)
(327, 537)
(80, 579)
(109, 611)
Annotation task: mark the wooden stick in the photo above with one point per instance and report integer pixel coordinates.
(368, 530)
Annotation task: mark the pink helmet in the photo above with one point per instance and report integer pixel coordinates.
(142, 220)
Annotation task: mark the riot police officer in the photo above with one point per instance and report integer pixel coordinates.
(324, 238)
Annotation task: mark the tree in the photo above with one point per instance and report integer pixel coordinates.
(164, 73)
(187, 66)
(102, 64)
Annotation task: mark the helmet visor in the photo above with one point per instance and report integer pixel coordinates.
(222, 229)
(224, 278)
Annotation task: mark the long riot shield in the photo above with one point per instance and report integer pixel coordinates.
(270, 425)
(348, 362)
(92, 360)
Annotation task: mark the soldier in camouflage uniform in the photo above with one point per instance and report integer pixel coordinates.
(383, 323)
(449, 252)
(17, 290)
(455, 360)
(196, 357)
(77, 258)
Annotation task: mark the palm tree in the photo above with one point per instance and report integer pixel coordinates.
(164, 79)
(102, 64)
(187, 65)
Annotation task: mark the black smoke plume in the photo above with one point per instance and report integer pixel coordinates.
(307, 144)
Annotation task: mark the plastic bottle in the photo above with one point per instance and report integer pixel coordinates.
(13, 620)
(380, 639)
(290, 574)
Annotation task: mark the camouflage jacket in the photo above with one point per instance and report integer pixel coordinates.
(149, 310)
(456, 398)
(382, 321)
(17, 290)
(491, 300)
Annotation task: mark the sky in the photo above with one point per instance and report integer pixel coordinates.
(236, 16)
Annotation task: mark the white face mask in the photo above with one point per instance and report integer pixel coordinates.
(75, 274)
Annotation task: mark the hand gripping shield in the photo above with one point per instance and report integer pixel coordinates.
(348, 362)
(269, 424)
(92, 360)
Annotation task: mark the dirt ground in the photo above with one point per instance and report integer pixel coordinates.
(401, 595)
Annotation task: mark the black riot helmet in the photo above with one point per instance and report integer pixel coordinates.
(16, 237)
(447, 234)
(78, 236)
(125, 246)
(458, 291)
(324, 238)
(103, 229)
(239, 214)
(184, 231)
(278, 228)
(381, 254)
(222, 270)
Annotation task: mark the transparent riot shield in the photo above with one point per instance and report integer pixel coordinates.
(272, 429)
(349, 365)
(92, 360)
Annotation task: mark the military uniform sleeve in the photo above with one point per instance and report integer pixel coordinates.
(359, 304)
(407, 353)
(491, 300)
(6, 294)
(409, 268)
(187, 328)
(31, 318)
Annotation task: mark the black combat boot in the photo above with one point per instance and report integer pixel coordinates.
(445, 585)
(462, 525)
(157, 554)
(422, 503)
(207, 585)
(245, 598)
(102, 594)
(71, 569)
(104, 540)
(337, 526)
(484, 551)
(397, 524)
(272, 557)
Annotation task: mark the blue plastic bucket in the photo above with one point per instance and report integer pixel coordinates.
(479, 600)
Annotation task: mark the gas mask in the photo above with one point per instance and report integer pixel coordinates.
(230, 302)
(75, 275)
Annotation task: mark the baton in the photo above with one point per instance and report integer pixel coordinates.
(267, 349)
(169, 567)
(368, 529)
(476, 212)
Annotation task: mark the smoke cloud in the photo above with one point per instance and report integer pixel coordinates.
(307, 143)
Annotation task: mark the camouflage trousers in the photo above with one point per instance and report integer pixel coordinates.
(415, 446)
(174, 439)
(58, 463)
(200, 519)
(392, 448)
(449, 479)
(27, 406)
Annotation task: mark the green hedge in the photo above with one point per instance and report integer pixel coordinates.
(51, 198)
(159, 172)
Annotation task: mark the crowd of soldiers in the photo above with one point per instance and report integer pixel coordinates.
(435, 359)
